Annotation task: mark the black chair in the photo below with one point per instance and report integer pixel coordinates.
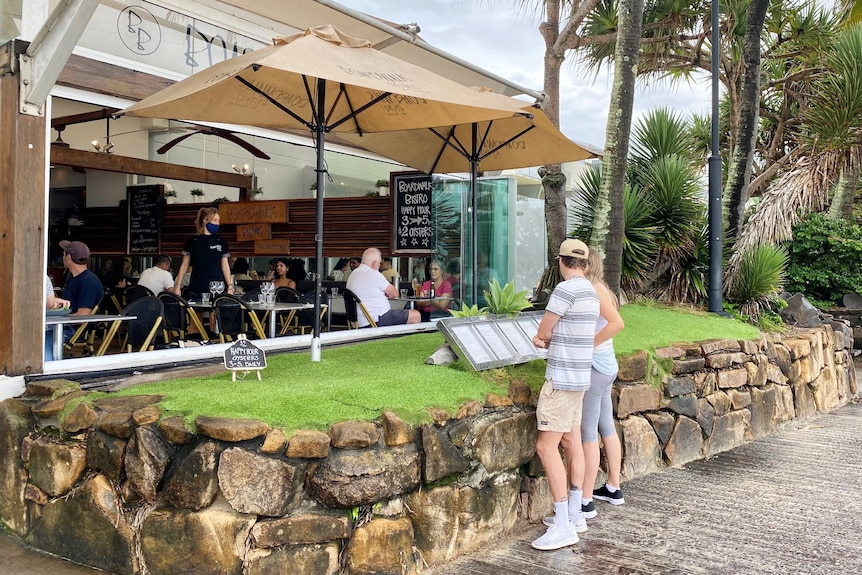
(178, 317)
(85, 336)
(352, 305)
(141, 331)
(235, 317)
(136, 291)
(286, 295)
(304, 320)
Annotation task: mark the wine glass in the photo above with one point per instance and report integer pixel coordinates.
(219, 287)
(214, 288)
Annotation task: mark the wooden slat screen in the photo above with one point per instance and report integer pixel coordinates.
(350, 226)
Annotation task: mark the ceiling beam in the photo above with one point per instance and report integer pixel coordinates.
(84, 117)
(113, 163)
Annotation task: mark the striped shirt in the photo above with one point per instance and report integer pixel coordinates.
(570, 354)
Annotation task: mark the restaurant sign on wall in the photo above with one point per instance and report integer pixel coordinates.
(413, 230)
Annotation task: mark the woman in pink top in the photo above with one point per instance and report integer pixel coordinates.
(438, 306)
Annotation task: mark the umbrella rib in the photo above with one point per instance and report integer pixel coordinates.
(354, 114)
(446, 142)
(504, 144)
(459, 149)
(343, 92)
(275, 102)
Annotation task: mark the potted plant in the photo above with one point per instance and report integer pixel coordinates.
(382, 187)
(198, 195)
(220, 200)
(253, 193)
(313, 188)
(170, 195)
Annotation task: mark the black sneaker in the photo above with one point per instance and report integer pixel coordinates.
(615, 498)
(589, 510)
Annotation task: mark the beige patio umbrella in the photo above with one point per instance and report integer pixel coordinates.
(323, 81)
(498, 144)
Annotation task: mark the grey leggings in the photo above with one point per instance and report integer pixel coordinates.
(598, 413)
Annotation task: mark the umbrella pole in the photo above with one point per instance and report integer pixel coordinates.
(319, 135)
(474, 219)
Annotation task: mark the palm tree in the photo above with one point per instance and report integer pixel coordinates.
(830, 145)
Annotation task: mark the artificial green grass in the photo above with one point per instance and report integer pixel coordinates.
(360, 380)
(650, 327)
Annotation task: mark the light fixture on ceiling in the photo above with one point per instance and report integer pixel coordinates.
(244, 169)
(106, 149)
(59, 141)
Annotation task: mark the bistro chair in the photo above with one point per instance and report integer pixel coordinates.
(136, 291)
(352, 305)
(179, 316)
(235, 317)
(141, 331)
(304, 319)
(111, 302)
(288, 320)
(85, 336)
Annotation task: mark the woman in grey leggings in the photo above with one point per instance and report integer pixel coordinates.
(598, 415)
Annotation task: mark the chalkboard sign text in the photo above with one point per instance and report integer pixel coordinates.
(244, 356)
(144, 218)
(413, 232)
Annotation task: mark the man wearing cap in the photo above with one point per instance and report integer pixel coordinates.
(567, 330)
(83, 288)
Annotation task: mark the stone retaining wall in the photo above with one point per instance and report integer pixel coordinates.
(113, 485)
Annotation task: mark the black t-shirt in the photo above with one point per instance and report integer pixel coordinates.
(205, 256)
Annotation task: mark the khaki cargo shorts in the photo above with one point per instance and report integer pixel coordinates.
(558, 410)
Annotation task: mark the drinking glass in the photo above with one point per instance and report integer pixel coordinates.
(335, 291)
(261, 297)
(403, 293)
(219, 287)
(205, 298)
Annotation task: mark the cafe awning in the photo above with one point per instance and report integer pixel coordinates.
(396, 39)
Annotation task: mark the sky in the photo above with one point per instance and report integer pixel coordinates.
(499, 39)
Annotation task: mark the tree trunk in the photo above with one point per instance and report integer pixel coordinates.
(608, 226)
(739, 173)
(553, 179)
(845, 193)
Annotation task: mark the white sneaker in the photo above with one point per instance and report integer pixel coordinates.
(579, 523)
(555, 538)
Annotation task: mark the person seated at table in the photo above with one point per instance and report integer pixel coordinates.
(372, 289)
(52, 302)
(453, 274)
(296, 271)
(83, 288)
(439, 306)
(240, 270)
(337, 273)
(158, 278)
(387, 271)
(282, 279)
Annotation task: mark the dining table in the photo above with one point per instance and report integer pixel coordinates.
(278, 307)
(57, 320)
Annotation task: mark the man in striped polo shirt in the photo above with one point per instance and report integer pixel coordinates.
(567, 330)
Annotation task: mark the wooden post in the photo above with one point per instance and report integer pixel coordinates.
(22, 233)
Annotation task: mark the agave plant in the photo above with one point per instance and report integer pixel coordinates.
(504, 299)
(469, 311)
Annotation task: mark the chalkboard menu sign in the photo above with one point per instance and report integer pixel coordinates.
(144, 218)
(243, 355)
(412, 219)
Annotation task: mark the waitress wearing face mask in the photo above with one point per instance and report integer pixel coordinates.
(206, 254)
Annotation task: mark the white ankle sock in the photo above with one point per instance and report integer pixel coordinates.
(575, 499)
(586, 501)
(611, 488)
(561, 512)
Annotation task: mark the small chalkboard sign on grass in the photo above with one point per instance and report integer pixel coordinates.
(244, 356)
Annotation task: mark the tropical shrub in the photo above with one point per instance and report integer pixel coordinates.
(469, 311)
(825, 258)
(761, 273)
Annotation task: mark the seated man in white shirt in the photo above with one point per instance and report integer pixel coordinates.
(158, 278)
(372, 289)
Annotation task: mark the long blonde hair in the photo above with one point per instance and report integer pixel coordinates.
(595, 272)
(204, 215)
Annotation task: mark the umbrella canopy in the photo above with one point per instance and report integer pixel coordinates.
(513, 142)
(366, 90)
(499, 144)
(324, 81)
